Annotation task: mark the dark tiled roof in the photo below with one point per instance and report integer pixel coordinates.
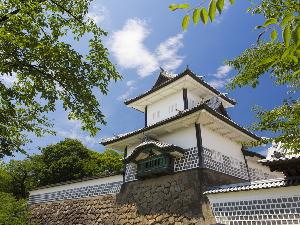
(274, 160)
(186, 72)
(163, 77)
(253, 154)
(255, 185)
(177, 116)
(164, 147)
(80, 180)
(288, 164)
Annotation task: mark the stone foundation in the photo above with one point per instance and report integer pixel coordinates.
(101, 210)
(172, 199)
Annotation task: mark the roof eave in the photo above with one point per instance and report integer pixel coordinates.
(186, 72)
(178, 116)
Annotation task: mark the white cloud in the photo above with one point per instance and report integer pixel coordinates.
(219, 18)
(131, 87)
(167, 52)
(223, 71)
(221, 77)
(130, 83)
(72, 129)
(98, 13)
(218, 83)
(128, 47)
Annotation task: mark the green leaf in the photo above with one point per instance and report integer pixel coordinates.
(285, 53)
(286, 19)
(220, 5)
(204, 15)
(295, 59)
(287, 35)
(270, 21)
(267, 61)
(185, 22)
(212, 10)
(231, 2)
(259, 27)
(174, 7)
(274, 35)
(196, 16)
(297, 35)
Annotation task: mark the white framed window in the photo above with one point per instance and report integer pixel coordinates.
(158, 114)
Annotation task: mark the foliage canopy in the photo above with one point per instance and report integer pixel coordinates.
(46, 69)
(63, 161)
(278, 56)
(12, 211)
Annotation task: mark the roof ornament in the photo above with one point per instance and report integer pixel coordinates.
(162, 69)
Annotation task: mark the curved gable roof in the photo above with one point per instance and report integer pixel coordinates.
(168, 81)
(160, 146)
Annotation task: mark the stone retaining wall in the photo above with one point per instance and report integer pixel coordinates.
(172, 199)
(101, 210)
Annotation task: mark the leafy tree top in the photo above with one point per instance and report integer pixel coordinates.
(48, 70)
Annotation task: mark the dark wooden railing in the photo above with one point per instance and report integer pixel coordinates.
(155, 165)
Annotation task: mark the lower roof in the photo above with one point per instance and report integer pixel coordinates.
(255, 185)
(162, 146)
(79, 180)
(216, 117)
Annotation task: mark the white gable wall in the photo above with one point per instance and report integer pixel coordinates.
(165, 108)
(214, 141)
(184, 138)
(193, 99)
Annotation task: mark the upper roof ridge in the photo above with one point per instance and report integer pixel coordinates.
(166, 78)
(163, 77)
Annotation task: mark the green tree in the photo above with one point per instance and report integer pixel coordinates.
(22, 177)
(47, 69)
(18, 177)
(108, 161)
(70, 159)
(5, 179)
(274, 55)
(63, 161)
(12, 211)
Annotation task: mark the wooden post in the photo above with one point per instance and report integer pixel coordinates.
(125, 155)
(199, 144)
(146, 112)
(185, 98)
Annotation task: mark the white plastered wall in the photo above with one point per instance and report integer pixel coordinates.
(260, 194)
(193, 99)
(130, 149)
(165, 108)
(253, 163)
(93, 182)
(184, 137)
(214, 141)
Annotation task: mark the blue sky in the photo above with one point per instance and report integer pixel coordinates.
(144, 35)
